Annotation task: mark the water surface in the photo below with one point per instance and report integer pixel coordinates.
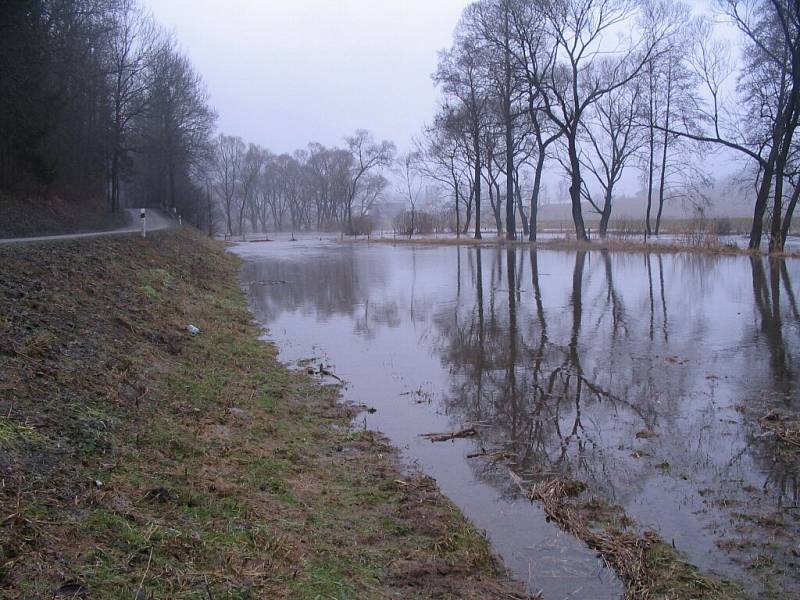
(561, 359)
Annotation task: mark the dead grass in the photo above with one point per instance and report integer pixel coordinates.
(709, 245)
(138, 461)
(786, 430)
(649, 568)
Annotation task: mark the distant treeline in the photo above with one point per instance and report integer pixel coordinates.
(318, 188)
(96, 101)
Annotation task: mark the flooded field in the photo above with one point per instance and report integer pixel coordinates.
(659, 381)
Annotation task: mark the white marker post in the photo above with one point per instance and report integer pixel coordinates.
(143, 219)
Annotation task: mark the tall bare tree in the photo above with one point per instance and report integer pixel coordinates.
(365, 183)
(132, 46)
(760, 121)
(577, 68)
(229, 155)
(459, 74)
(614, 137)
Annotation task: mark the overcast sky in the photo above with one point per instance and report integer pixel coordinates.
(283, 73)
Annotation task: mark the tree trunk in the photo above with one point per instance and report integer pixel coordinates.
(228, 218)
(575, 189)
(777, 236)
(761, 205)
(468, 216)
(241, 219)
(605, 215)
(663, 178)
(115, 181)
(458, 214)
(511, 226)
(477, 185)
(522, 216)
(537, 184)
(650, 169)
(496, 207)
(775, 244)
(787, 220)
(171, 200)
(210, 209)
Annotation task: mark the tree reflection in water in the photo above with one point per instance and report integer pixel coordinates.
(577, 392)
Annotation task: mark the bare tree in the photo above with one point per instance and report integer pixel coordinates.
(670, 97)
(409, 165)
(132, 45)
(568, 79)
(492, 21)
(250, 169)
(229, 155)
(459, 75)
(364, 183)
(768, 91)
(445, 160)
(533, 59)
(613, 137)
(178, 121)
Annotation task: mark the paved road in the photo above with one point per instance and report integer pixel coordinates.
(155, 220)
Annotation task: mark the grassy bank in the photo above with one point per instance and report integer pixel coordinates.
(138, 461)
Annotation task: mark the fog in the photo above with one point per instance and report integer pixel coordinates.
(282, 74)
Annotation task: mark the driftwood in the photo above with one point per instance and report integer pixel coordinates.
(444, 437)
(497, 455)
(268, 282)
(324, 371)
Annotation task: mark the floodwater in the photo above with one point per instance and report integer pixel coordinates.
(561, 358)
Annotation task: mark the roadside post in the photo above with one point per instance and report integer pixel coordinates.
(143, 219)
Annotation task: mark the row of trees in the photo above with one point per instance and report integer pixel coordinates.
(316, 188)
(599, 86)
(96, 100)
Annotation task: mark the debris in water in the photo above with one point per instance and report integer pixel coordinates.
(785, 430)
(444, 437)
(329, 373)
(557, 488)
(498, 455)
